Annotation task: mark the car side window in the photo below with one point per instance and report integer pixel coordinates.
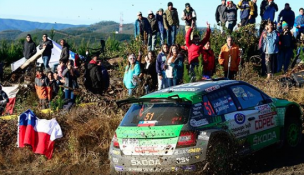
(221, 102)
(247, 96)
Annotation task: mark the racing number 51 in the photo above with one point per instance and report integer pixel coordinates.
(149, 116)
(208, 107)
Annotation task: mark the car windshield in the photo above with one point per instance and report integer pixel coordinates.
(154, 114)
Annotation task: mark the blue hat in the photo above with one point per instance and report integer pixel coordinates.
(284, 25)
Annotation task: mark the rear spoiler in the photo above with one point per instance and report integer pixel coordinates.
(172, 99)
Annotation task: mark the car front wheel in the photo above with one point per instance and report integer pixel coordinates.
(292, 133)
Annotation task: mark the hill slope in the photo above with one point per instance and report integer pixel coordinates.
(22, 25)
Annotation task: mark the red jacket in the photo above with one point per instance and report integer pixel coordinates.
(209, 59)
(194, 51)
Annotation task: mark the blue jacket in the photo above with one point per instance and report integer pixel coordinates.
(160, 62)
(271, 43)
(160, 22)
(128, 77)
(147, 27)
(287, 16)
(299, 21)
(269, 12)
(178, 67)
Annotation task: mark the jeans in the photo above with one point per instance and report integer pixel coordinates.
(270, 63)
(244, 21)
(171, 35)
(69, 94)
(231, 25)
(252, 20)
(162, 83)
(284, 59)
(297, 32)
(191, 70)
(152, 42)
(46, 60)
(130, 92)
(162, 36)
(172, 82)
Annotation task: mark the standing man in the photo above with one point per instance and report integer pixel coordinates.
(231, 15)
(195, 47)
(161, 28)
(3, 100)
(46, 55)
(154, 29)
(65, 52)
(252, 19)
(171, 23)
(29, 49)
(230, 58)
(95, 76)
(220, 14)
(287, 15)
(268, 9)
(299, 24)
(189, 15)
(247, 11)
(142, 28)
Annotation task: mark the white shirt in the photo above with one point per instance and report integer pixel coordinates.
(169, 71)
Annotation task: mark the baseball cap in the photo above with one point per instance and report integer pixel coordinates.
(170, 4)
(150, 12)
(139, 13)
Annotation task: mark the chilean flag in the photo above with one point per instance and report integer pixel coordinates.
(39, 133)
(11, 93)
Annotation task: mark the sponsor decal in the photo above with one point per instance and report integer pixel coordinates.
(264, 122)
(241, 130)
(148, 149)
(194, 150)
(146, 123)
(197, 108)
(116, 152)
(197, 113)
(130, 141)
(260, 139)
(182, 160)
(212, 88)
(197, 123)
(198, 104)
(264, 109)
(119, 168)
(197, 157)
(240, 118)
(115, 160)
(145, 162)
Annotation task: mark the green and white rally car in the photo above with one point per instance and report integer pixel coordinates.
(178, 128)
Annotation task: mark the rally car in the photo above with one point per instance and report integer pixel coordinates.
(178, 128)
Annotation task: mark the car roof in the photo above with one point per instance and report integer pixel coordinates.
(190, 91)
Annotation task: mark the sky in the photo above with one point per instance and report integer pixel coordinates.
(93, 11)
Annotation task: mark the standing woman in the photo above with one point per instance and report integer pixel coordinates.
(131, 74)
(271, 48)
(149, 72)
(29, 49)
(208, 60)
(160, 67)
(174, 67)
(70, 75)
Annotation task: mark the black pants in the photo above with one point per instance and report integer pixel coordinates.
(231, 75)
(244, 22)
(270, 61)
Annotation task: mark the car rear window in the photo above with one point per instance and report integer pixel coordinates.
(157, 114)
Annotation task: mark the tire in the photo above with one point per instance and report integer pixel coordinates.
(220, 155)
(292, 133)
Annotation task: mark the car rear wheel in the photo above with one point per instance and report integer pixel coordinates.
(220, 155)
(292, 132)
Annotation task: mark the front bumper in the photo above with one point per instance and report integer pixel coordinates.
(183, 159)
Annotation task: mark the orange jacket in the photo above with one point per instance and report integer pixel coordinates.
(234, 52)
(42, 89)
